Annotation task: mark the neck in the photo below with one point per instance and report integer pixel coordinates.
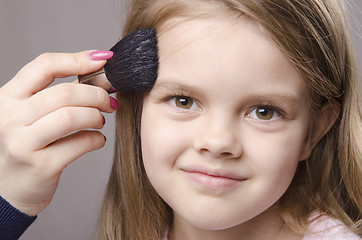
(267, 225)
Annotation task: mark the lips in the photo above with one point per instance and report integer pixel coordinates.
(213, 179)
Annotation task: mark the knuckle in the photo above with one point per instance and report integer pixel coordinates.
(45, 58)
(68, 115)
(94, 141)
(12, 152)
(101, 120)
(63, 93)
(8, 118)
(79, 61)
(44, 62)
(66, 90)
(102, 96)
(98, 140)
(66, 118)
(88, 141)
(95, 119)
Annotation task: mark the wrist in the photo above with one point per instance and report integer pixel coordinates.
(12, 221)
(26, 209)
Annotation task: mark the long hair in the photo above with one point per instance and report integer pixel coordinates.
(313, 34)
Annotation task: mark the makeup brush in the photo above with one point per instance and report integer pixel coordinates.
(133, 67)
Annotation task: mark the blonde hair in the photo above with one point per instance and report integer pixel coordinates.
(314, 36)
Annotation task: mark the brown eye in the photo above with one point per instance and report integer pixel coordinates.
(264, 113)
(184, 102)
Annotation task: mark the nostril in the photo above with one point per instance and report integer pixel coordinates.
(218, 141)
(219, 154)
(226, 154)
(204, 150)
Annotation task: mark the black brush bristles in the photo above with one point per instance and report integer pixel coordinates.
(134, 65)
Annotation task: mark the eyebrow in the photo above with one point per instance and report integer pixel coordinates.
(179, 86)
(284, 98)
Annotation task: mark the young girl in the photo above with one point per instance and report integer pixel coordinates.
(252, 130)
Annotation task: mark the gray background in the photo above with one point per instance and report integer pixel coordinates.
(31, 27)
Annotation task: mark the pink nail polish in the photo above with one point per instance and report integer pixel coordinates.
(104, 120)
(112, 90)
(100, 55)
(114, 103)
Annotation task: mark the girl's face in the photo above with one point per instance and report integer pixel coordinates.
(225, 125)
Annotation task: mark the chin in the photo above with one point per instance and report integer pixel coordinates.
(214, 223)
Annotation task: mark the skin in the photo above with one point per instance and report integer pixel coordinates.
(219, 165)
(42, 129)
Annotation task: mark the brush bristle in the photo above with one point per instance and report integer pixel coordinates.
(134, 65)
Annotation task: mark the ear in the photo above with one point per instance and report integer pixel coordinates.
(321, 122)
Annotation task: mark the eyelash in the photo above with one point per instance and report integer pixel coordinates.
(180, 95)
(276, 111)
(269, 106)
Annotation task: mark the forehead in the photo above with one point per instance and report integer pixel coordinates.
(223, 48)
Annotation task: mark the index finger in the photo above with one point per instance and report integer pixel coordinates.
(42, 71)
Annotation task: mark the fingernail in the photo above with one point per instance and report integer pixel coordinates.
(104, 120)
(114, 103)
(112, 90)
(105, 139)
(100, 55)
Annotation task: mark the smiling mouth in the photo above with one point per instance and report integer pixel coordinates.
(213, 180)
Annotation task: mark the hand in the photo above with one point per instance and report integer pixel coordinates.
(42, 130)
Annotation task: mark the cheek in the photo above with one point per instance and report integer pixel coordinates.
(161, 141)
(273, 158)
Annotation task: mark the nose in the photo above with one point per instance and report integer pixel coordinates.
(218, 138)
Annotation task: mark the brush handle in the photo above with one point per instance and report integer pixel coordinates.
(97, 78)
